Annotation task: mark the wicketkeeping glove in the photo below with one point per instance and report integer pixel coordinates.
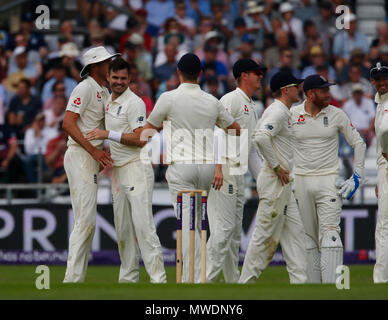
(349, 187)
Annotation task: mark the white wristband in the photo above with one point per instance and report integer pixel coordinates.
(115, 136)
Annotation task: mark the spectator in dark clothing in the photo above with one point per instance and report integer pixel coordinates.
(23, 108)
(11, 167)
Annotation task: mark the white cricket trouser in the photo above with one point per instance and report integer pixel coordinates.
(226, 208)
(132, 186)
(380, 272)
(277, 220)
(81, 170)
(186, 177)
(320, 208)
(319, 205)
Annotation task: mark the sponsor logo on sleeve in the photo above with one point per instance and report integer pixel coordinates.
(140, 119)
(269, 126)
(119, 110)
(76, 102)
(98, 96)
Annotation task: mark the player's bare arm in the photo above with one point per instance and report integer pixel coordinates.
(234, 126)
(129, 139)
(71, 127)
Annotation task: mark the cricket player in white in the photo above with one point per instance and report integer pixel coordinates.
(277, 218)
(226, 205)
(132, 180)
(85, 112)
(317, 126)
(379, 78)
(188, 114)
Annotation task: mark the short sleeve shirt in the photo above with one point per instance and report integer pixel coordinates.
(189, 115)
(124, 114)
(88, 99)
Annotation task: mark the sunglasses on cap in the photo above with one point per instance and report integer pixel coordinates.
(289, 85)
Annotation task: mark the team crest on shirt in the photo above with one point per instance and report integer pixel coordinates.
(98, 96)
(301, 119)
(326, 121)
(140, 119)
(246, 109)
(77, 102)
(107, 108)
(269, 126)
(289, 123)
(351, 124)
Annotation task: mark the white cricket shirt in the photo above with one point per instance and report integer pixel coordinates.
(317, 140)
(189, 116)
(124, 114)
(88, 100)
(242, 109)
(381, 123)
(276, 123)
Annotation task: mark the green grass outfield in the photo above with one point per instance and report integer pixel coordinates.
(18, 282)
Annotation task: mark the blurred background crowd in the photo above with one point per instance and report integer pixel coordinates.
(40, 68)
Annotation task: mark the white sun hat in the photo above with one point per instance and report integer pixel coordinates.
(286, 7)
(95, 55)
(69, 49)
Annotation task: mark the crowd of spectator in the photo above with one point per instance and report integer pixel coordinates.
(37, 74)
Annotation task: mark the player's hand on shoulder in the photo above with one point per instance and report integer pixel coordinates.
(97, 134)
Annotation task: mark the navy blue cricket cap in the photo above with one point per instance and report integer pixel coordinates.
(379, 70)
(283, 79)
(190, 63)
(246, 65)
(316, 81)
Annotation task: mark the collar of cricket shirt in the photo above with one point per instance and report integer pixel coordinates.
(381, 99)
(189, 86)
(244, 95)
(123, 98)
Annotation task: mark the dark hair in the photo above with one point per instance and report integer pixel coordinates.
(189, 77)
(307, 24)
(119, 64)
(57, 83)
(178, 2)
(277, 93)
(26, 81)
